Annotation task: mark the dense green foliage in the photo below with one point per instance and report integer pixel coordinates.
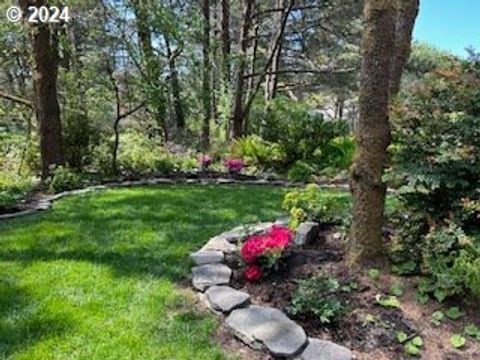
(310, 144)
(435, 156)
(95, 278)
(311, 203)
(320, 297)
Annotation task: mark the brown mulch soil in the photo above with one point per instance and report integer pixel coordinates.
(369, 340)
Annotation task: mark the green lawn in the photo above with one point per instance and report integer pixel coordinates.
(96, 277)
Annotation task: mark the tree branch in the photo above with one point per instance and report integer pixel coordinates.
(131, 111)
(302, 71)
(16, 99)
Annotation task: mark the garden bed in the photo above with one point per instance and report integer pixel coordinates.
(369, 329)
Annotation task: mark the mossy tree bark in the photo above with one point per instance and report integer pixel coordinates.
(385, 49)
(45, 74)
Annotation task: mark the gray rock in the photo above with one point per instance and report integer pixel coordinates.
(226, 299)
(225, 181)
(259, 327)
(43, 205)
(241, 232)
(306, 233)
(219, 243)
(208, 275)
(283, 221)
(207, 257)
(204, 301)
(324, 350)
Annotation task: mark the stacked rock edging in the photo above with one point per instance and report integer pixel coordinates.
(260, 327)
(46, 202)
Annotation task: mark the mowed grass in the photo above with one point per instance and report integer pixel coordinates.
(97, 276)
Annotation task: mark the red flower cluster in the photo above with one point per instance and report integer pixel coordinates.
(252, 273)
(273, 242)
(234, 165)
(205, 161)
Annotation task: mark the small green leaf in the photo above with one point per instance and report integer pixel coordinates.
(396, 289)
(440, 295)
(457, 341)
(401, 337)
(411, 349)
(438, 315)
(417, 341)
(374, 274)
(388, 301)
(472, 330)
(421, 298)
(454, 313)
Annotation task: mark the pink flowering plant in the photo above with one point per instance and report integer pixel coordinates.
(234, 166)
(262, 253)
(205, 161)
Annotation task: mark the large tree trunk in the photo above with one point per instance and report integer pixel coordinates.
(406, 15)
(225, 41)
(225, 24)
(238, 104)
(45, 74)
(380, 57)
(206, 90)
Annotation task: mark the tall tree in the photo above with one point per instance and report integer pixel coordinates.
(45, 74)
(271, 79)
(238, 99)
(206, 89)
(154, 86)
(385, 48)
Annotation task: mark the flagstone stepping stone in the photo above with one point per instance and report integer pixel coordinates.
(324, 350)
(208, 275)
(260, 326)
(226, 299)
(207, 257)
(219, 243)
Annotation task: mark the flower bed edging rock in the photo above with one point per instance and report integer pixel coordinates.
(260, 327)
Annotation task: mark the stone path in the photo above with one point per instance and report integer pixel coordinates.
(260, 327)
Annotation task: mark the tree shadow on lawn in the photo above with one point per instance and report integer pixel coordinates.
(137, 231)
(22, 324)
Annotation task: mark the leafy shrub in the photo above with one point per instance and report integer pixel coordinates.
(262, 253)
(435, 156)
(320, 297)
(64, 179)
(301, 172)
(140, 155)
(339, 154)
(312, 204)
(301, 133)
(13, 189)
(257, 152)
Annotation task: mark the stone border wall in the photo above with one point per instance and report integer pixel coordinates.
(46, 202)
(260, 327)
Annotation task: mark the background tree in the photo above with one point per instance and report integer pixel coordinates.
(44, 40)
